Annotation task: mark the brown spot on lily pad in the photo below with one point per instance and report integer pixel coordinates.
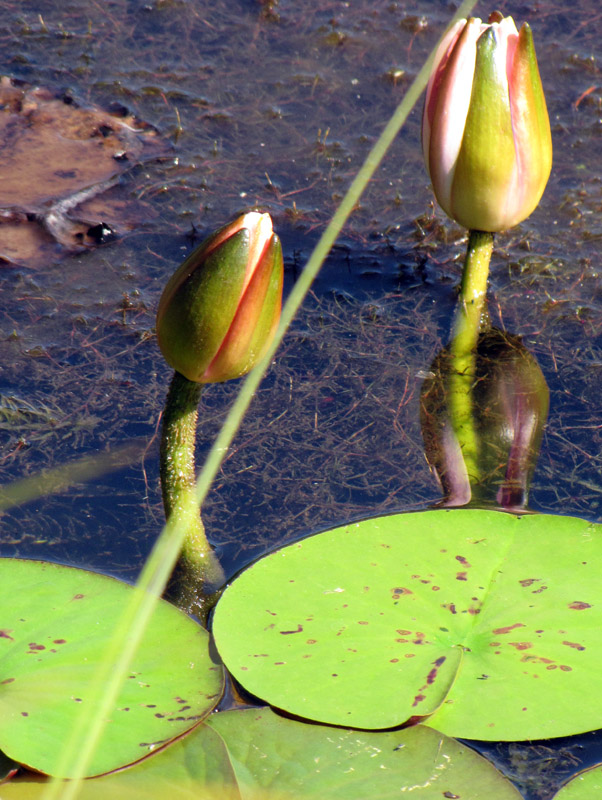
(399, 590)
(528, 582)
(508, 628)
(58, 159)
(298, 629)
(578, 605)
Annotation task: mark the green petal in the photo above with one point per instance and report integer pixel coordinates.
(193, 322)
(486, 162)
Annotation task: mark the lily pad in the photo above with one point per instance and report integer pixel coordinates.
(55, 158)
(55, 625)
(487, 623)
(587, 785)
(254, 754)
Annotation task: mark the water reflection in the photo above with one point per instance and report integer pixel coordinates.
(509, 407)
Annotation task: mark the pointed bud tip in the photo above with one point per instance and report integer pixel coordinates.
(260, 235)
(258, 225)
(265, 229)
(255, 219)
(256, 222)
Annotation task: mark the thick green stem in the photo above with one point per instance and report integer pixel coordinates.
(198, 571)
(471, 317)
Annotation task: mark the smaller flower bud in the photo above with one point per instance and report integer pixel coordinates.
(220, 309)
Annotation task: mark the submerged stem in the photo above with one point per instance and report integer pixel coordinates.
(471, 318)
(198, 571)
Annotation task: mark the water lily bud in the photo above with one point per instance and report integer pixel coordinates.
(220, 309)
(485, 129)
(510, 407)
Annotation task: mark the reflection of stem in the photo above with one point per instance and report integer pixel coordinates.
(468, 322)
(198, 569)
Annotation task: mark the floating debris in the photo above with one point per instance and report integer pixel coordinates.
(60, 165)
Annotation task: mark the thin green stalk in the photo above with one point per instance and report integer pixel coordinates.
(153, 578)
(58, 479)
(198, 571)
(469, 320)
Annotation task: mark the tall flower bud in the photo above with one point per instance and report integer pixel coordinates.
(511, 399)
(485, 129)
(220, 309)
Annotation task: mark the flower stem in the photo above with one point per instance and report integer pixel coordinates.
(198, 571)
(471, 318)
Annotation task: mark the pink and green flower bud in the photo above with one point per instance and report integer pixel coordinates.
(485, 129)
(220, 309)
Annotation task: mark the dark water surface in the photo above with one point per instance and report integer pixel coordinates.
(274, 105)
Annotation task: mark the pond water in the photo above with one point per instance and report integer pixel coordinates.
(274, 104)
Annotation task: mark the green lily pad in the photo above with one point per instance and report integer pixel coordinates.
(55, 624)
(488, 623)
(256, 755)
(587, 785)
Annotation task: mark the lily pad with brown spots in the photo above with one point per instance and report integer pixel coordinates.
(485, 624)
(56, 157)
(56, 625)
